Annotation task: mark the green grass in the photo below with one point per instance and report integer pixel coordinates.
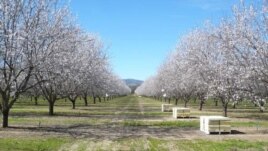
(150, 144)
(154, 144)
(32, 144)
(57, 120)
(249, 124)
(231, 144)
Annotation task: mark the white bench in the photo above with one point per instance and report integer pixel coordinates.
(216, 124)
(181, 112)
(167, 107)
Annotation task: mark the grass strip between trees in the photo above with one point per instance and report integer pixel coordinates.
(32, 144)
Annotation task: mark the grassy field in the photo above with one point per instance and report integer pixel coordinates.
(128, 123)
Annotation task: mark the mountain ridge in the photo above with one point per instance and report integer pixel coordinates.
(133, 83)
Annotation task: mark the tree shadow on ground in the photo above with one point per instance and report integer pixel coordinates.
(191, 117)
(109, 131)
(233, 132)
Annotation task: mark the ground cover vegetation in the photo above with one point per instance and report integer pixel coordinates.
(128, 123)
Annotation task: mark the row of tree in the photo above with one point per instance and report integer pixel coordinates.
(227, 62)
(44, 52)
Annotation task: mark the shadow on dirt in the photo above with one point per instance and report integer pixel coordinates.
(111, 131)
(192, 117)
(233, 132)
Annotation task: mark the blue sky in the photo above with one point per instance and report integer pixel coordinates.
(139, 34)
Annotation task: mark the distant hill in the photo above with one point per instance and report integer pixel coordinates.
(133, 84)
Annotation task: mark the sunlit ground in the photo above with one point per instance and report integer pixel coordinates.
(128, 123)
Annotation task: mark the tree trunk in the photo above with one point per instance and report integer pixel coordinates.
(234, 105)
(185, 103)
(51, 108)
(216, 102)
(94, 99)
(5, 118)
(201, 105)
(225, 110)
(224, 105)
(73, 100)
(169, 100)
(73, 103)
(85, 100)
(99, 99)
(176, 102)
(36, 100)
